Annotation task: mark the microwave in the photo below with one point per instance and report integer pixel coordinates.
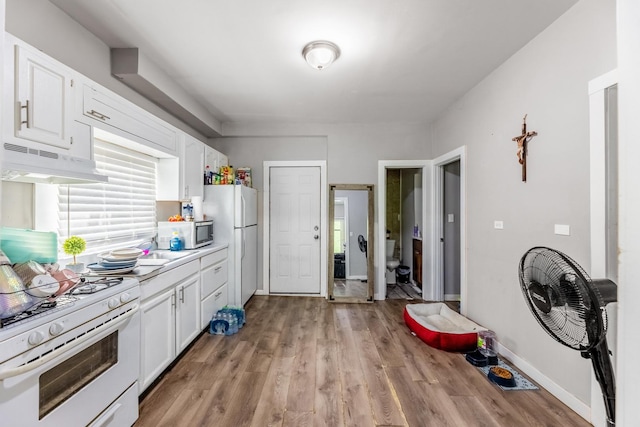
(194, 234)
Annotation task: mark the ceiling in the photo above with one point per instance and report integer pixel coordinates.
(402, 61)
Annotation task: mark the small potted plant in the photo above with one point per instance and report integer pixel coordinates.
(74, 245)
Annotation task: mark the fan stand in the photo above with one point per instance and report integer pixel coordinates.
(603, 370)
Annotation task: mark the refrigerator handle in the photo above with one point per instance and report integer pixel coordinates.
(244, 243)
(243, 212)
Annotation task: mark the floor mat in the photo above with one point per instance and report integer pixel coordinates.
(521, 382)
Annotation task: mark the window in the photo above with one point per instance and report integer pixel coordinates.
(109, 214)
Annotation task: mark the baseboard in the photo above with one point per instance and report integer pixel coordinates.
(452, 297)
(261, 292)
(576, 405)
(357, 278)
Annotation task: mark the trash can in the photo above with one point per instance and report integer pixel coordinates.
(402, 274)
(339, 270)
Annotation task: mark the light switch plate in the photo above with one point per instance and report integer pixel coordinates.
(498, 225)
(562, 229)
(450, 218)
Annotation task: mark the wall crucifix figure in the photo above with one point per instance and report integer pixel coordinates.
(522, 141)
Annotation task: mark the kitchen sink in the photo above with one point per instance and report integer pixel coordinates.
(168, 255)
(161, 257)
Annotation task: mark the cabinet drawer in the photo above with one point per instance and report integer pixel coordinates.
(213, 258)
(211, 304)
(213, 277)
(169, 279)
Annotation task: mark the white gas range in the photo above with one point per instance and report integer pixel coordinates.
(75, 363)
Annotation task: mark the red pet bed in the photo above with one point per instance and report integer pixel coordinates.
(440, 327)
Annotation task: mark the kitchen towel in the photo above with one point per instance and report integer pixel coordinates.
(196, 201)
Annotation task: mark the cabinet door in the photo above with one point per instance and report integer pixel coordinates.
(157, 337)
(43, 99)
(105, 109)
(187, 312)
(192, 167)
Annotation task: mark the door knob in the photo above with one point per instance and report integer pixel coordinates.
(315, 228)
(315, 236)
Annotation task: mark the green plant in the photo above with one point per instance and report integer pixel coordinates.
(74, 245)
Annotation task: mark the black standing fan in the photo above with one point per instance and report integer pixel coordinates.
(362, 243)
(571, 308)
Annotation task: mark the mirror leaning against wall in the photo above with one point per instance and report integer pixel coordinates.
(351, 246)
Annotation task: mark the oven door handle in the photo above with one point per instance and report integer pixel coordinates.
(19, 370)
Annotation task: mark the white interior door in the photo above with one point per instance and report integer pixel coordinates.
(294, 264)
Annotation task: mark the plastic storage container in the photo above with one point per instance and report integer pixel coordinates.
(487, 343)
(22, 245)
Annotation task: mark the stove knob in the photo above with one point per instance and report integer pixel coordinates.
(56, 328)
(35, 338)
(125, 297)
(113, 303)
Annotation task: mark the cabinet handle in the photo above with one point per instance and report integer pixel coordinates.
(173, 300)
(182, 295)
(218, 268)
(98, 115)
(26, 107)
(217, 295)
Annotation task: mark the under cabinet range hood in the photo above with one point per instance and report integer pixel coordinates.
(24, 164)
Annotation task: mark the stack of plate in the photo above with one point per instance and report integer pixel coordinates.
(118, 261)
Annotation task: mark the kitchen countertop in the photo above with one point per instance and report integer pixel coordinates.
(144, 272)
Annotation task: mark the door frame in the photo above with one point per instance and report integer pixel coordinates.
(266, 274)
(598, 224)
(380, 291)
(437, 223)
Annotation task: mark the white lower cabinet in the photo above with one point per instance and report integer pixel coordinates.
(213, 284)
(187, 312)
(170, 319)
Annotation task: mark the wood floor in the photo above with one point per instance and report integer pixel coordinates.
(307, 362)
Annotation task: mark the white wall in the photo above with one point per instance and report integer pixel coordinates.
(547, 80)
(352, 151)
(628, 392)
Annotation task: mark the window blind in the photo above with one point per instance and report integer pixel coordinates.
(111, 214)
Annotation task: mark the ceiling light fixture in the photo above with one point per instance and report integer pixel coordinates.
(320, 54)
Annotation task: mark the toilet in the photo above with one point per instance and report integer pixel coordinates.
(392, 263)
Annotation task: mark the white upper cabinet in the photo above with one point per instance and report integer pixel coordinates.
(110, 112)
(38, 98)
(192, 167)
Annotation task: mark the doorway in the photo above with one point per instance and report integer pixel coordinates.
(451, 231)
(449, 171)
(423, 206)
(295, 237)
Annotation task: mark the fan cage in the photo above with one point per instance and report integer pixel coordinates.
(576, 317)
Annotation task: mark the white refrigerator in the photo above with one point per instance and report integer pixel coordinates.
(234, 210)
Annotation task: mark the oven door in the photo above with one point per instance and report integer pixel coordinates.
(86, 371)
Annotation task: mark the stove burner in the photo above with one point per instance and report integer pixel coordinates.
(97, 285)
(39, 309)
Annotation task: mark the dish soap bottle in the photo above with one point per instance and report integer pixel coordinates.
(175, 244)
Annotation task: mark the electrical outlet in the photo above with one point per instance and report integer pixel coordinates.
(498, 225)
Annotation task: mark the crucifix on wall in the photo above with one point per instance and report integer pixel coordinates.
(522, 141)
